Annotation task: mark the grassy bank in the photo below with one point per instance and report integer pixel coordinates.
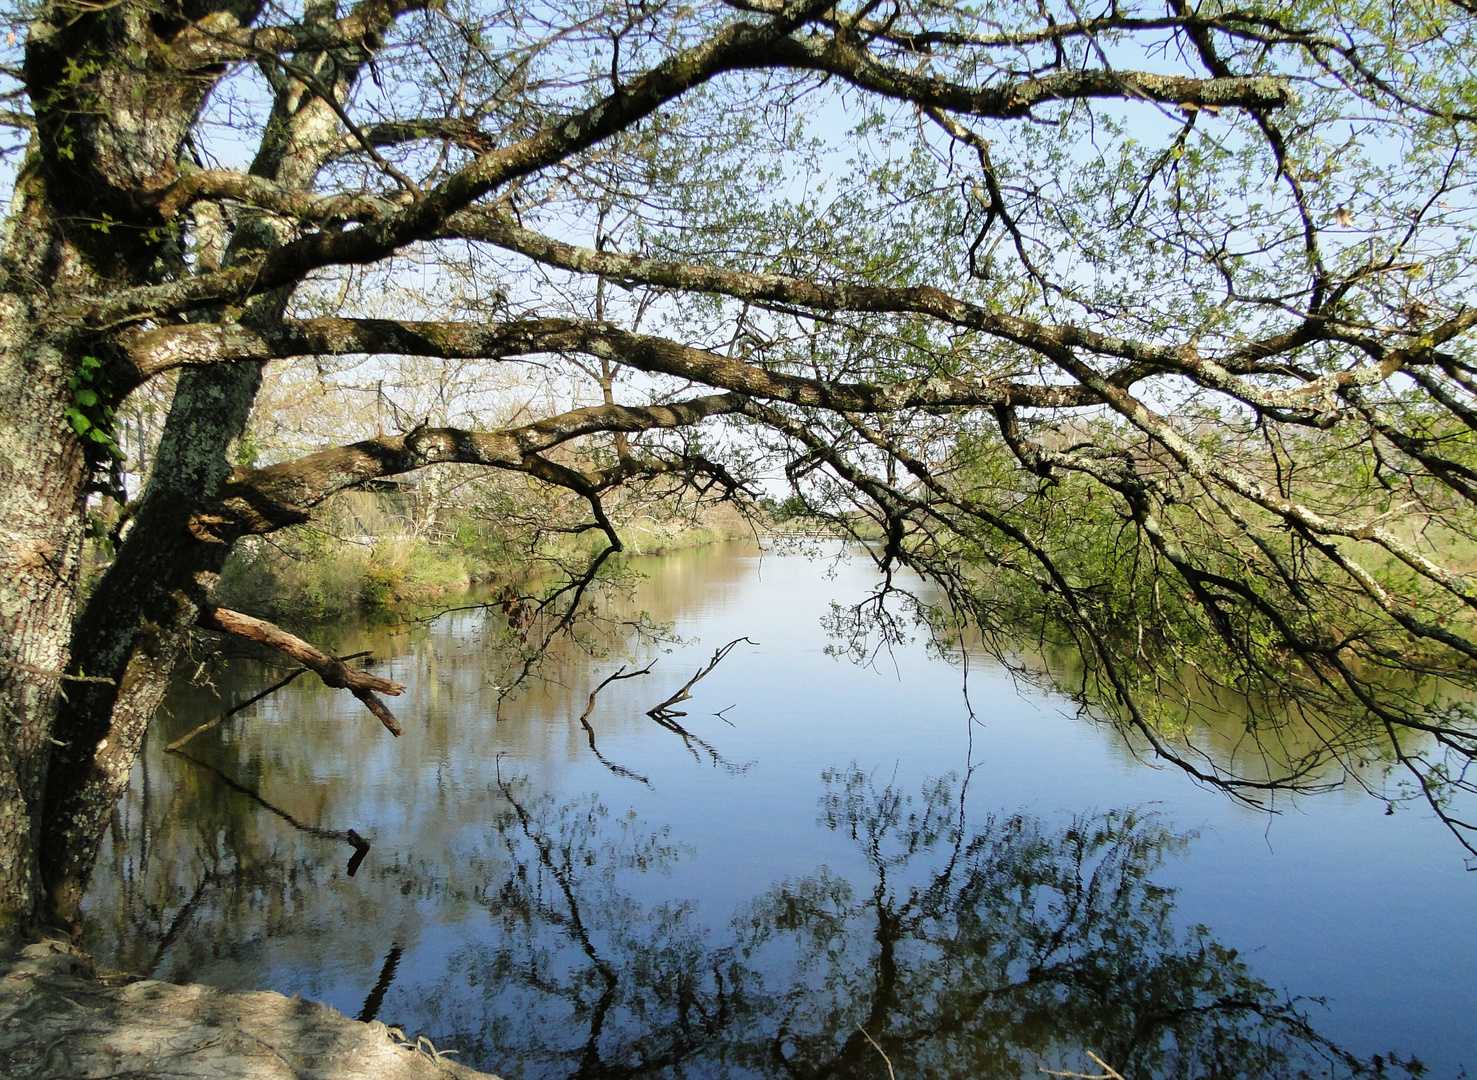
(376, 553)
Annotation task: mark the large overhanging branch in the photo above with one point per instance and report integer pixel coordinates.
(740, 46)
(154, 351)
(198, 344)
(262, 500)
(1308, 401)
(845, 56)
(1255, 26)
(1227, 373)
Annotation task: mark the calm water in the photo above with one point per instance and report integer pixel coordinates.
(840, 857)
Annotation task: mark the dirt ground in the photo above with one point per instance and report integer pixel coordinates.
(57, 1021)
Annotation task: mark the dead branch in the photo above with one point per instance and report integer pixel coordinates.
(223, 717)
(333, 671)
(891, 1075)
(619, 770)
(1108, 1073)
(664, 711)
(666, 716)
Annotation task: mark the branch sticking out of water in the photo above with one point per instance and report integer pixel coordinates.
(891, 1075)
(664, 711)
(330, 669)
(1108, 1073)
(619, 770)
(666, 716)
(223, 717)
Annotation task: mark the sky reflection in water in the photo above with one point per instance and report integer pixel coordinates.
(546, 917)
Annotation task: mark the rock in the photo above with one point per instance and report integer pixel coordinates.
(57, 1022)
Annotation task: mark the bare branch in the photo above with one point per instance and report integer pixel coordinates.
(619, 770)
(664, 711)
(330, 669)
(249, 702)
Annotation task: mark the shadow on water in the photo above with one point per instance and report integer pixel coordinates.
(376, 996)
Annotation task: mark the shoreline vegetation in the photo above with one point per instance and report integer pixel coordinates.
(377, 554)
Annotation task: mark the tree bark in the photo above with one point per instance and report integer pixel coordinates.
(43, 475)
(136, 623)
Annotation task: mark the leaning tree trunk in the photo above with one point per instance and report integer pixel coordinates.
(137, 622)
(140, 616)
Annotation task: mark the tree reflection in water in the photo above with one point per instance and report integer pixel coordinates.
(963, 952)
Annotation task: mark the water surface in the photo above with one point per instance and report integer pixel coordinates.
(839, 866)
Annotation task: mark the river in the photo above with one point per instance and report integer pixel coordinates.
(839, 868)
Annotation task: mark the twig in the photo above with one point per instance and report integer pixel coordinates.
(55, 674)
(223, 717)
(666, 716)
(879, 1049)
(1109, 1072)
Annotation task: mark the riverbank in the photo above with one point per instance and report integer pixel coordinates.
(59, 1022)
(363, 562)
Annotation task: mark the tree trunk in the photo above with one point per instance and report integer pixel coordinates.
(137, 622)
(140, 617)
(43, 476)
(104, 133)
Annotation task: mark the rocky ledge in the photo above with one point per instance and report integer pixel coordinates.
(58, 1021)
